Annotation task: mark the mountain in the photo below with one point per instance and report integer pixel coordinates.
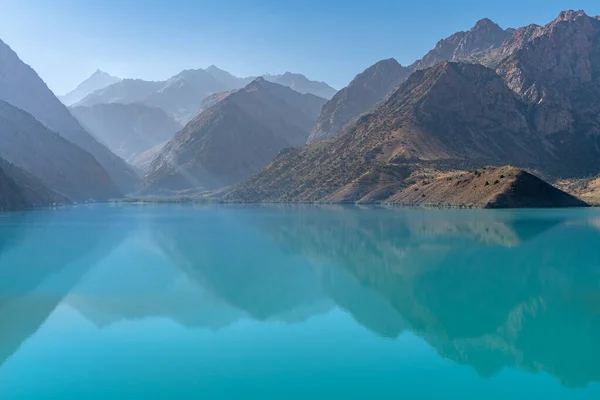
(503, 187)
(558, 76)
(126, 91)
(302, 84)
(127, 129)
(98, 80)
(21, 87)
(20, 190)
(366, 89)
(61, 165)
(11, 196)
(182, 95)
(451, 116)
(231, 81)
(235, 138)
(484, 37)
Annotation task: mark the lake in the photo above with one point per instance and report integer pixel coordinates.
(286, 302)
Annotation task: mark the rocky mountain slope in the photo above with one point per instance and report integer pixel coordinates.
(451, 116)
(302, 84)
(587, 190)
(558, 76)
(366, 89)
(127, 129)
(235, 138)
(471, 45)
(61, 165)
(491, 187)
(21, 87)
(98, 80)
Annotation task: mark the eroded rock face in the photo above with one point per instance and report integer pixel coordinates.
(366, 90)
(558, 75)
(484, 37)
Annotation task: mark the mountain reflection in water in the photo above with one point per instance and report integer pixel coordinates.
(486, 289)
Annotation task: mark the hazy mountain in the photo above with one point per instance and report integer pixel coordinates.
(22, 87)
(127, 129)
(98, 80)
(61, 165)
(126, 91)
(465, 46)
(450, 116)
(366, 89)
(235, 138)
(143, 160)
(302, 84)
(231, 81)
(182, 95)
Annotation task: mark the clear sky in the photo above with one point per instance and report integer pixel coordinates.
(332, 40)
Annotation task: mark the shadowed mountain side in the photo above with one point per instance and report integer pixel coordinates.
(30, 191)
(61, 165)
(235, 138)
(51, 251)
(21, 87)
(127, 129)
(11, 195)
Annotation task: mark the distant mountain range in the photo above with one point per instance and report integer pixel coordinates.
(98, 80)
(183, 95)
(235, 138)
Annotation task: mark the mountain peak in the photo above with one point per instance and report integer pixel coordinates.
(484, 22)
(570, 15)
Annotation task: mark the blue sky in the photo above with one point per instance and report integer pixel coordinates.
(330, 40)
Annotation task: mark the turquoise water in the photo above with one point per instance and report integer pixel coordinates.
(318, 302)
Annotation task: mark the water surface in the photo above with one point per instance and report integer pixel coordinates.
(320, 302)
